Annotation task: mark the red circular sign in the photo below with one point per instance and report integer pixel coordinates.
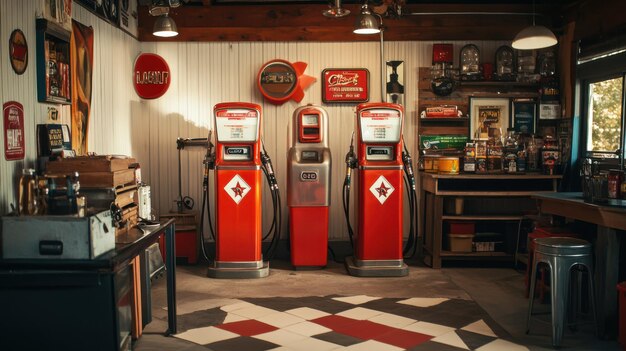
(151, 77)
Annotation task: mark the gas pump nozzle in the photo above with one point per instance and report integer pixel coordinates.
(408, 166)
(350, 162)
(209, 161)
(267, 163)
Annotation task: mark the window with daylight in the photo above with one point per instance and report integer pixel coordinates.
(602, 99)
(604, 116)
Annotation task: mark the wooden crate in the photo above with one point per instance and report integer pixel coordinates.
(106, 163)
(185, 221)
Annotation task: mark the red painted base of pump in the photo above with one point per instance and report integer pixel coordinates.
(308, 228)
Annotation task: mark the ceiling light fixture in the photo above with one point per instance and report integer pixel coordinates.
(367, 23)
(164, 26)
(336, 11)
(534, 37)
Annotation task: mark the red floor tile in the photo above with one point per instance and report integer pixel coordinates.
(333, 321)
(403, 338)
(247, 328)
(366, 330)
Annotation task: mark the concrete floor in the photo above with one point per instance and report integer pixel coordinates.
(499, 291)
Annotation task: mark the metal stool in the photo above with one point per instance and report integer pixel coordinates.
(561, 254)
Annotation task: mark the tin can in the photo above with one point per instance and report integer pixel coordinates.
(449, 165)
(615, 179)
(431, 163)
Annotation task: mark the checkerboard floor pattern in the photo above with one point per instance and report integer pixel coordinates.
(355, 323)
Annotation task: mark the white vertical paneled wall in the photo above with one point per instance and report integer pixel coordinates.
(203, 74)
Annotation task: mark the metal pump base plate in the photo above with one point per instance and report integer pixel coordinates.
(376, 268)
(239, 270)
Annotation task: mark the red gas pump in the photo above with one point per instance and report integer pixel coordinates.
(308, 192)
(378, 242)
(239, 159)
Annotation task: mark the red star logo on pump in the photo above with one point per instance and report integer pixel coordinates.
(237, 188)
(383, 190)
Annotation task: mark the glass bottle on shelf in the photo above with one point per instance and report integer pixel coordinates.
(27, 193)
(532, 155)
(509, 154)
(494, 150)
(521, 158)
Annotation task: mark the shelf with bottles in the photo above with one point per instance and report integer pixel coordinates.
(53, 63)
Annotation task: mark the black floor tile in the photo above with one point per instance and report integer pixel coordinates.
(337, 338)
(242, 343)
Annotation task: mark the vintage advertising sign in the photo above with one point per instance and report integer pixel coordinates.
(13, 113)
(345, 85)
(151, 76)
(280, 80)
(18, 51)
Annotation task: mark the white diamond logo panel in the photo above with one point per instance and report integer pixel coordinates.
(237, 188)
(382, 189)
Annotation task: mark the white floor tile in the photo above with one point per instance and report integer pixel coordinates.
(281, 348)
(423, 301)
(356, 300)
(359, 313)
(372, 345)
(392, 320)
(499, 344)
(280, 337)
(452, 339)
(480, 327)
(206, 335)
(253, 312)
(307, 313)
(280, 319)
(236, 306)
(428, 328)
(307, 328)
(231, 317)
(310, 344)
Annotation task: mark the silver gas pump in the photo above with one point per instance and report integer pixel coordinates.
(308, 190)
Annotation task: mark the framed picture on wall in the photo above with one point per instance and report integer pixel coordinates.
(129, 18)
(524, 114)
(489, 117)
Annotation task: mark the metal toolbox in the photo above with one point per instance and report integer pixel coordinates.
(57, 237)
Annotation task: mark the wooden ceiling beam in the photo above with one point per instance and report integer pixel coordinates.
(306, 23)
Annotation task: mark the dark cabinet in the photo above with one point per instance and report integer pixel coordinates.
(53, 63)
(66, 309)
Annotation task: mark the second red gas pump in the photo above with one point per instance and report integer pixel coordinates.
(378, 241)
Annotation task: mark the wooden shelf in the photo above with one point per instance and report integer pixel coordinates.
(53, 63)
(444, 119)
(494, 83)
(489, 193)
(496, 200)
